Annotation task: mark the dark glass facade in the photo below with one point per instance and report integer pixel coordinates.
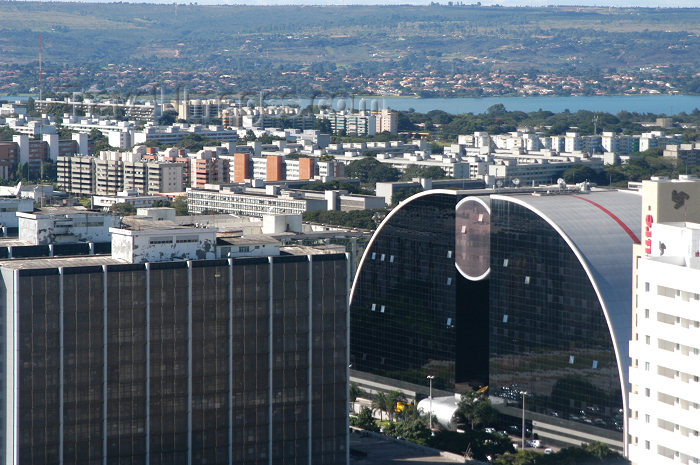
(39, 369)
(549, 335)
(412, 313)
(203, 362)
(512, 308)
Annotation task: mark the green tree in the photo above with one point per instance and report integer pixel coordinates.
(595, 453)
(192, 142)
(365, 420)
(476, 408)
(411, 428)
(99, 141)
(482, 445)
(379, 403)
(168, 118)
(364, 219)
(180, 206)
(370, 170)
(392, 400)
(31, 107)
(49, 171)
(521, 457)
(355, 391)
(161, 203)
(417, 171)
(323, 125)
(403, 194)
(580, 173)
(352, 188)
(6, 133)
(125, 209)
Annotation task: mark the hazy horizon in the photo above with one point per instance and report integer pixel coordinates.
(506, 3)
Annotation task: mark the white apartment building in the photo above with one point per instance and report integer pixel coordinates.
(664, 398)
(665, 372)
(146, 111)
(130, 197)
(118, 133)
(32, 126)
(173, 134)
(235, 201)
(572, 142)
(12, 109)
(649, 140)
(360, 124)
(620, 144)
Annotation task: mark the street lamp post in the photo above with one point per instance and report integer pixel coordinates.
(524, 393)
(430, 415)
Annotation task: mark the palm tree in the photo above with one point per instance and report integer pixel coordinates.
(355, 392)
(379, 402)
(392, 399)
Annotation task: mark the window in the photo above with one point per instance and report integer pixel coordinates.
(595, 364)
(647, 339)
(527, 280)
(244, 248)
(571, 359)
(382, 257)
(505, 318)
(646, 313)
(449, 281)
(381, 310)
(374, 255)
(161, 240)
(647, 418)
(505, 262)
(647, 445)
(646, 287)
(646, 366)
(647, 393)
(449, 254)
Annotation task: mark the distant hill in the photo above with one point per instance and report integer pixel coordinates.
(366, 39)
(118, 31)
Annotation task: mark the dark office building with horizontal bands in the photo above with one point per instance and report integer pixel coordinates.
(235, 361)
(522, 292)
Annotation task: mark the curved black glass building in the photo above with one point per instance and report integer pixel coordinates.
(412, 314)
(519, 292)
(560, 303)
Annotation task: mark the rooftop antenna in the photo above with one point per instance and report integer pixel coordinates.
(41, 75)
(595, 125)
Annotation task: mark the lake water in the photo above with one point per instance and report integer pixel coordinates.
(667, 104)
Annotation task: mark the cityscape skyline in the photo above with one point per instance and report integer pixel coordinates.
(221, 245)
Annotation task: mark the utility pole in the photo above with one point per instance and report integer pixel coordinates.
(524, 393)
(41, 74)
(430, 415)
